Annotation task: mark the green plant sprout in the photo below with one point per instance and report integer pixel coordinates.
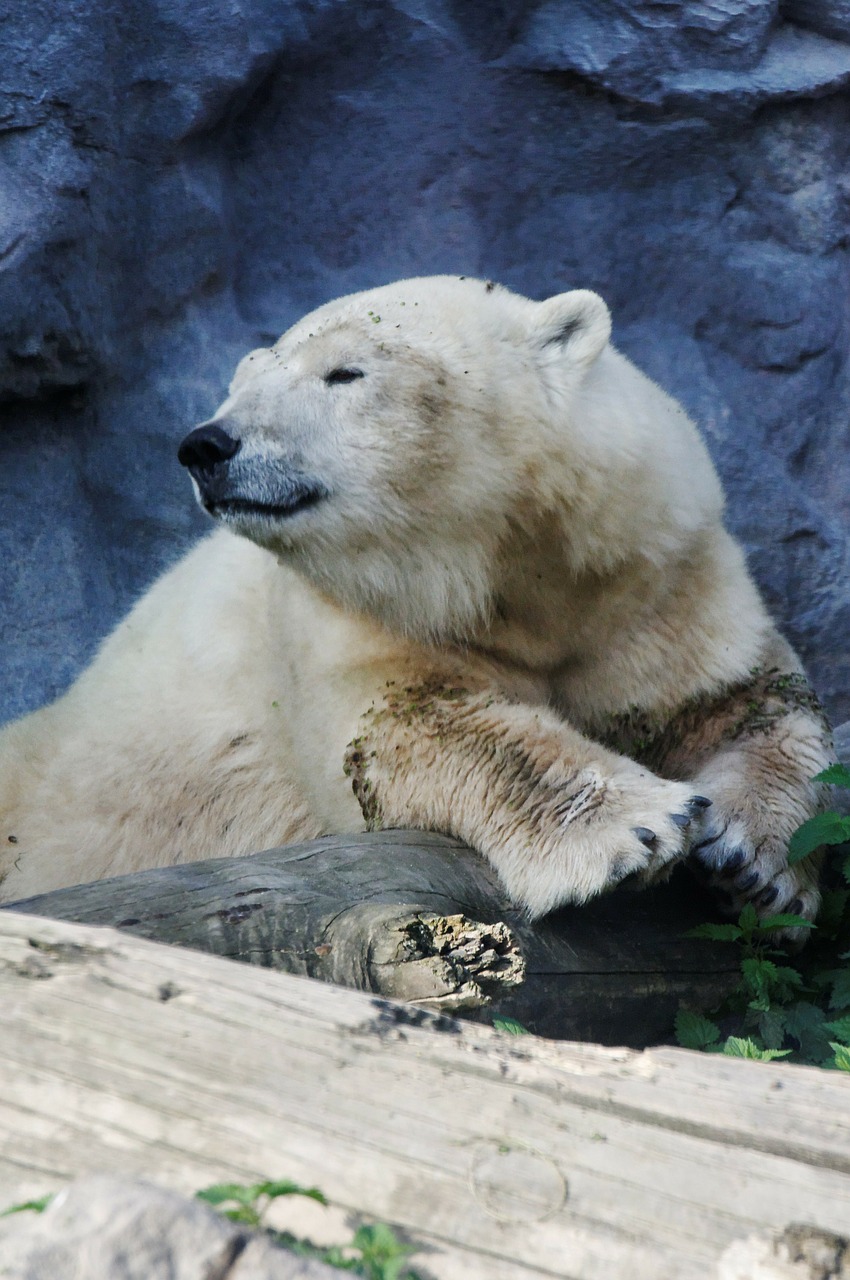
(248, 1203)
(824, 828)
(775, 1010)
(28, 1206)
(510, 1026)
(374, 1252)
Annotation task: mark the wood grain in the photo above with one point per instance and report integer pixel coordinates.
(501, 1157)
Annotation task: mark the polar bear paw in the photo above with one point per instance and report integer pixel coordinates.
(632, 826)
(763, 787)
(744, 863)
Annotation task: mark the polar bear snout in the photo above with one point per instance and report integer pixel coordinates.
(205, 449)
(206, 453)
(244, 490)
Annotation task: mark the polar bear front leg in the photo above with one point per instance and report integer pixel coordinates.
(560, 817)
(763, 790)
(755, 750)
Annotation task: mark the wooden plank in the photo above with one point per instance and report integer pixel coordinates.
(501, 1156)
(615, 969)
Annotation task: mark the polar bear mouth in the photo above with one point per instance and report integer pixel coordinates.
(234, 508)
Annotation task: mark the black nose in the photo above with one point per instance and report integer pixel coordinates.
(206, 447)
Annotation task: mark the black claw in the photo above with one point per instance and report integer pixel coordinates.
(680, 819)
(769, 895)
(700, 802)
(747, 882)
(645, 836)
(795, 907)
(703, 844)
(733, 863)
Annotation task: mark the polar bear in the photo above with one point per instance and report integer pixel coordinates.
(480, 584)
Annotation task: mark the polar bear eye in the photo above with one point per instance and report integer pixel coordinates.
(343, 375)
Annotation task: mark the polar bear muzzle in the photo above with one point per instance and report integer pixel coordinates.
(229, 491)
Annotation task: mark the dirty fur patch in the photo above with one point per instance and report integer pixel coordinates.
(742, 711)
(354, 766)
(430, 704)
(435, 715)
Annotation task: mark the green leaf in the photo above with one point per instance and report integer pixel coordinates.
(249, 1193)
(748, 919)
(695, 1032)
(840, 1028)
(245, 1213)
(840, 979)
(832, 908)
(771, 1028)
(787, 983)
(785, 920)
(247, 1196)
(28, 1206)
(285, 1187)
(759, 975)
(768, 982)
(805, 1023)
(737, 1047)
(222, 1192)
(823, 828)
(383, 1254)
(715, 932)
(842, 1056)
(838, 775)
(511, 1026)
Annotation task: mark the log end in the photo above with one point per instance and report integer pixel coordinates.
(447, 963)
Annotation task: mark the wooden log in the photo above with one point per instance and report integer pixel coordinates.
(502, 1158)
(421, 917)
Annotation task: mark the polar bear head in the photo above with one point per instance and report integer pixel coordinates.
(395, 444)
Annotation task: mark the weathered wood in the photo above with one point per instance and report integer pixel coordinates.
(379, 912)
(113, 1228)
(503, 1158)
(798, 1253)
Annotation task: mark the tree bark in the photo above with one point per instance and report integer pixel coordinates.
(420, 917)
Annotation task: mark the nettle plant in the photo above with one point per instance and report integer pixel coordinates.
(777, 1010)
(374, 1252)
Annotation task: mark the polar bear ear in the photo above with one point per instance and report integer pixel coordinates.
(576, 324)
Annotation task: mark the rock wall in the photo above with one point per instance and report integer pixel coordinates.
(180, 179)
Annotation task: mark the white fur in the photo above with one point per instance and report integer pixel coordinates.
(512, 504)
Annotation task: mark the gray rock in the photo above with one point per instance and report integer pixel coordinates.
(829, 17)
(706, 54)
(180, 182)
(842, 742)
(106, 1228)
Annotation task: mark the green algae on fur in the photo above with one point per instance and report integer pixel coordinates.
(354, 766)
(744, 710)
